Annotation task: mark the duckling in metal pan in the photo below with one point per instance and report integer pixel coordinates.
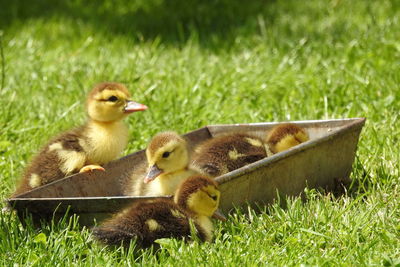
(227, 152)
(167, 166)
(195, 201)
(86, 148)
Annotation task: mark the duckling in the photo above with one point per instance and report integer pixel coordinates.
(85, 148)
(168, 165)
(285, 136)
(227, 152)
(195, 201)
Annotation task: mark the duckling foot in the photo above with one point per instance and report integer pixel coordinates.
(90, 168)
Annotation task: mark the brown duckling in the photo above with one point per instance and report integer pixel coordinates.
(168, 165)
(227, 152)
(100, 140)
(285, 136)
(195, 201)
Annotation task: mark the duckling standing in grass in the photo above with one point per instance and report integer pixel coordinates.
(285, 136)
(168, 165)
(195, 201)
(86, 148)
(227, 152)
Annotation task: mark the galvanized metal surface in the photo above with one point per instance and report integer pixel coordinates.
(328, 156)
(88, 208)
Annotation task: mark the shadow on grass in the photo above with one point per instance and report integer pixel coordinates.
(174, 21)
(361, 183)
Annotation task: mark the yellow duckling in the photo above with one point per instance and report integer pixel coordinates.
(285, 136)
(227, 152)
(195, 201)
(86, 148)
(168, 165)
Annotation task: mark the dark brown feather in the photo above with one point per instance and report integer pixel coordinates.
(212, 156)
(46, 164)
(131, 224)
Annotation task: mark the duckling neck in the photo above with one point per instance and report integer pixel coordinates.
(105, 140)
(166, 184)
(207, 226)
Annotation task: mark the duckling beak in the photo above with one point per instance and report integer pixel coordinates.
(132, 106)
(152, 174)
(219, 215)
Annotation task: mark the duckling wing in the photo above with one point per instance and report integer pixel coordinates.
(145, 222)
(65, 153)
(62, 156)
(171, 221)
(247, 158)
(210, 157)
(161, 219)
(212, 169)
(226, 153)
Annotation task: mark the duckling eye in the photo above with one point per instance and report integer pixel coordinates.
(112, 98)
(214, 197)
(166, 154)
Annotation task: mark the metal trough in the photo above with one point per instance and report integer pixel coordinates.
(317, 163)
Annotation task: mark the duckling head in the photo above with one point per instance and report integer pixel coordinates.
(285, 136)
(199, 195)
(109, 102)
(166, 153)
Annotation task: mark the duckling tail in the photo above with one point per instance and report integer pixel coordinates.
(113, 236)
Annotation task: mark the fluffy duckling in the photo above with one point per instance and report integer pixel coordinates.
(86, 148)
(227, 152)
(168, 165)
(195, 201)
(285, 136)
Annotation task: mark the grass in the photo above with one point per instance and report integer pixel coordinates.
(207, 62)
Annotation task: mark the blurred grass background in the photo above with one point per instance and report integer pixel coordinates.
(204, 62)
